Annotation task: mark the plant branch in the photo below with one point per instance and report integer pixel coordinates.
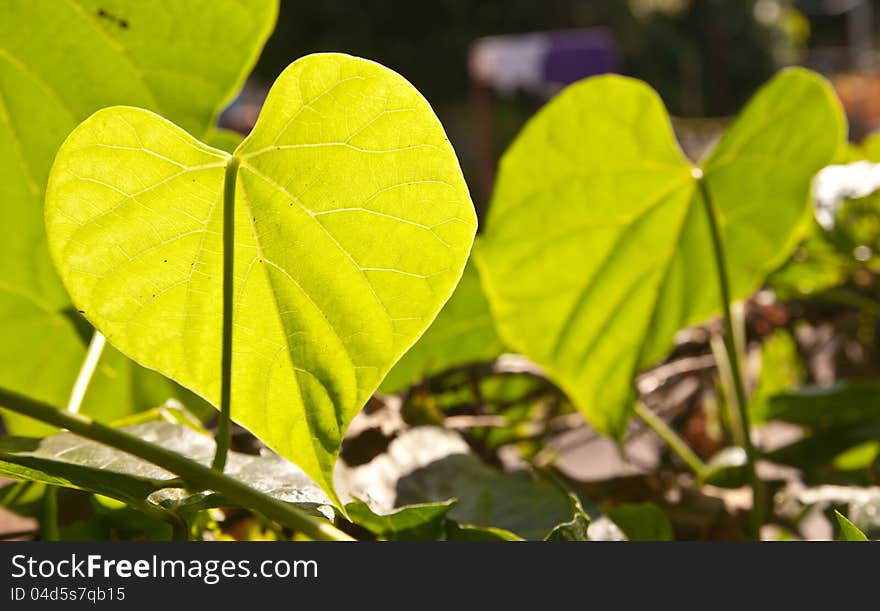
(672, 439)
(224, 422)
(739, 389)
(196, 474)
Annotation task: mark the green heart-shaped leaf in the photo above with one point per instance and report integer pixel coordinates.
(352, 227)
(60, 62)
(597, 247)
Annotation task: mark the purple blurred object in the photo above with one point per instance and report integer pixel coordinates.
(577, 54)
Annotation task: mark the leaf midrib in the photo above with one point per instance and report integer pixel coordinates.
(339, 417)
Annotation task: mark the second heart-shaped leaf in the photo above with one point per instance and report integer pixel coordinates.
(352, 227)
(598, 247)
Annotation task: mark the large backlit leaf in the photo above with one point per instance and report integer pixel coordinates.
(597, 247)
(74, 462)
(352, 227)
(60, 62)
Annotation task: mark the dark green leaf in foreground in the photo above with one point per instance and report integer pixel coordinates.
(848, 530)
(513, 501)
(641, 522)
(575, 529)
(71, 461)
(823, 446)
(843, 422)
(60, 62)
(726, 469)
(597, 248)
(429, 464)
(825, 406)
(467, 532)
(423, 522)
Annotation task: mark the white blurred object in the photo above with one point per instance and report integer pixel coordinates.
(510, 63)
(836, 183)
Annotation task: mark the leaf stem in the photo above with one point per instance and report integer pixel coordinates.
(49, 516)
(739, 390)
(224, 422)
(725, 381)
(670, 437)
(197, 475)
(86, 372)
(49, 530)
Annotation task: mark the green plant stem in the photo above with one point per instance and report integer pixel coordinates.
(739, 390)
(86, 372)
(725, 379)
(49, 530)
(179, 529)
(224, 422)
(197, 475)
(670, 437)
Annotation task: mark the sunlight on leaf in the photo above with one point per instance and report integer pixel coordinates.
(352, 227)
(597, 248)
(60, 62)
